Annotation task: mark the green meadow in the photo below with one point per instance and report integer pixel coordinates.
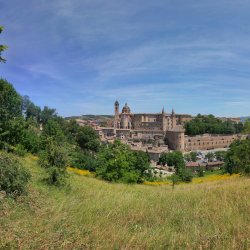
(93, 214)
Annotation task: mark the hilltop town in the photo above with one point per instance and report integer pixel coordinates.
(157, 133)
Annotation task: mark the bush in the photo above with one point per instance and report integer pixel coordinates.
(56, 176)
(83, 160)
(186, 175)
(13, 176)
(55, 160)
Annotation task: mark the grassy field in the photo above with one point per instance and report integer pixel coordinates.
(93, 214)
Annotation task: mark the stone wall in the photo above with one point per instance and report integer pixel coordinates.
(207, 141)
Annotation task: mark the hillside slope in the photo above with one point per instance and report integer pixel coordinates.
(93, 214)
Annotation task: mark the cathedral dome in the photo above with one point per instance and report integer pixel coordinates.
(126, 109)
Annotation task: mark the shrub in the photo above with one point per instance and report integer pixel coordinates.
(186, 175)
(56, 176)
(13, 176)
(55, 159)
(200, 172)
(83, 160)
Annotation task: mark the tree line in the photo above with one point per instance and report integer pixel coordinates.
(202, 124)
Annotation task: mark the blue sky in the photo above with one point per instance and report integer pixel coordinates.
(79, 56)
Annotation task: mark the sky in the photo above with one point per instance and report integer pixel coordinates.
(79, 56)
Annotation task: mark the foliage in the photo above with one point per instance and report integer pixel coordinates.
(192, 156)
(83, 160)
(220, 155)
(202, 124)
(13, 176)
(52, 132)
(10, 103)
(176, 159)
(2, 47)
(87, 139)
(210, 156)
(47, 114)
(55, 160)
(54, 156)
(246, 127)
(56, 176)
(173, 159)
(238, 157)
(30, 110)
(71, 129)
(31, 140)
(185, 174)
(118, 163)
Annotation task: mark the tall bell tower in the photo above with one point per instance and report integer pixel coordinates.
(116, 114)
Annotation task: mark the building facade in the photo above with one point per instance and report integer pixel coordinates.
(143, 121)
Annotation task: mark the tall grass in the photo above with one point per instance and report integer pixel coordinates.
(93, 214)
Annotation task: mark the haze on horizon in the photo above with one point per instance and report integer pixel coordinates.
(80, 56)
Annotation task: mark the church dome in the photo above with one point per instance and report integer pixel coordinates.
(126, 109)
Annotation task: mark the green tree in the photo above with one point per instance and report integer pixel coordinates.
(210, 156)
(220, 155)
(209, 124)
(52, 131)
(118, 163)
(55, 160)
(47, 114)
(173, 159)
(87, 139)
(83, 159)
(33, 112)
(10, 102)
(192, 156)
(238, 157)
(142, 165)
(11, 120)
(2, 47)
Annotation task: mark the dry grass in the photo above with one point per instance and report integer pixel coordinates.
(93, 214)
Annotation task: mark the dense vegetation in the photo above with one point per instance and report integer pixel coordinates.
(117, 162)
(237, 159)
(13, 176)
(209, 124)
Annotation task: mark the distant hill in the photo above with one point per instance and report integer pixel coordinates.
(91, 117)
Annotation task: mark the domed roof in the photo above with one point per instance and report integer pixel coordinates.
(126, 109)
(116, 103)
